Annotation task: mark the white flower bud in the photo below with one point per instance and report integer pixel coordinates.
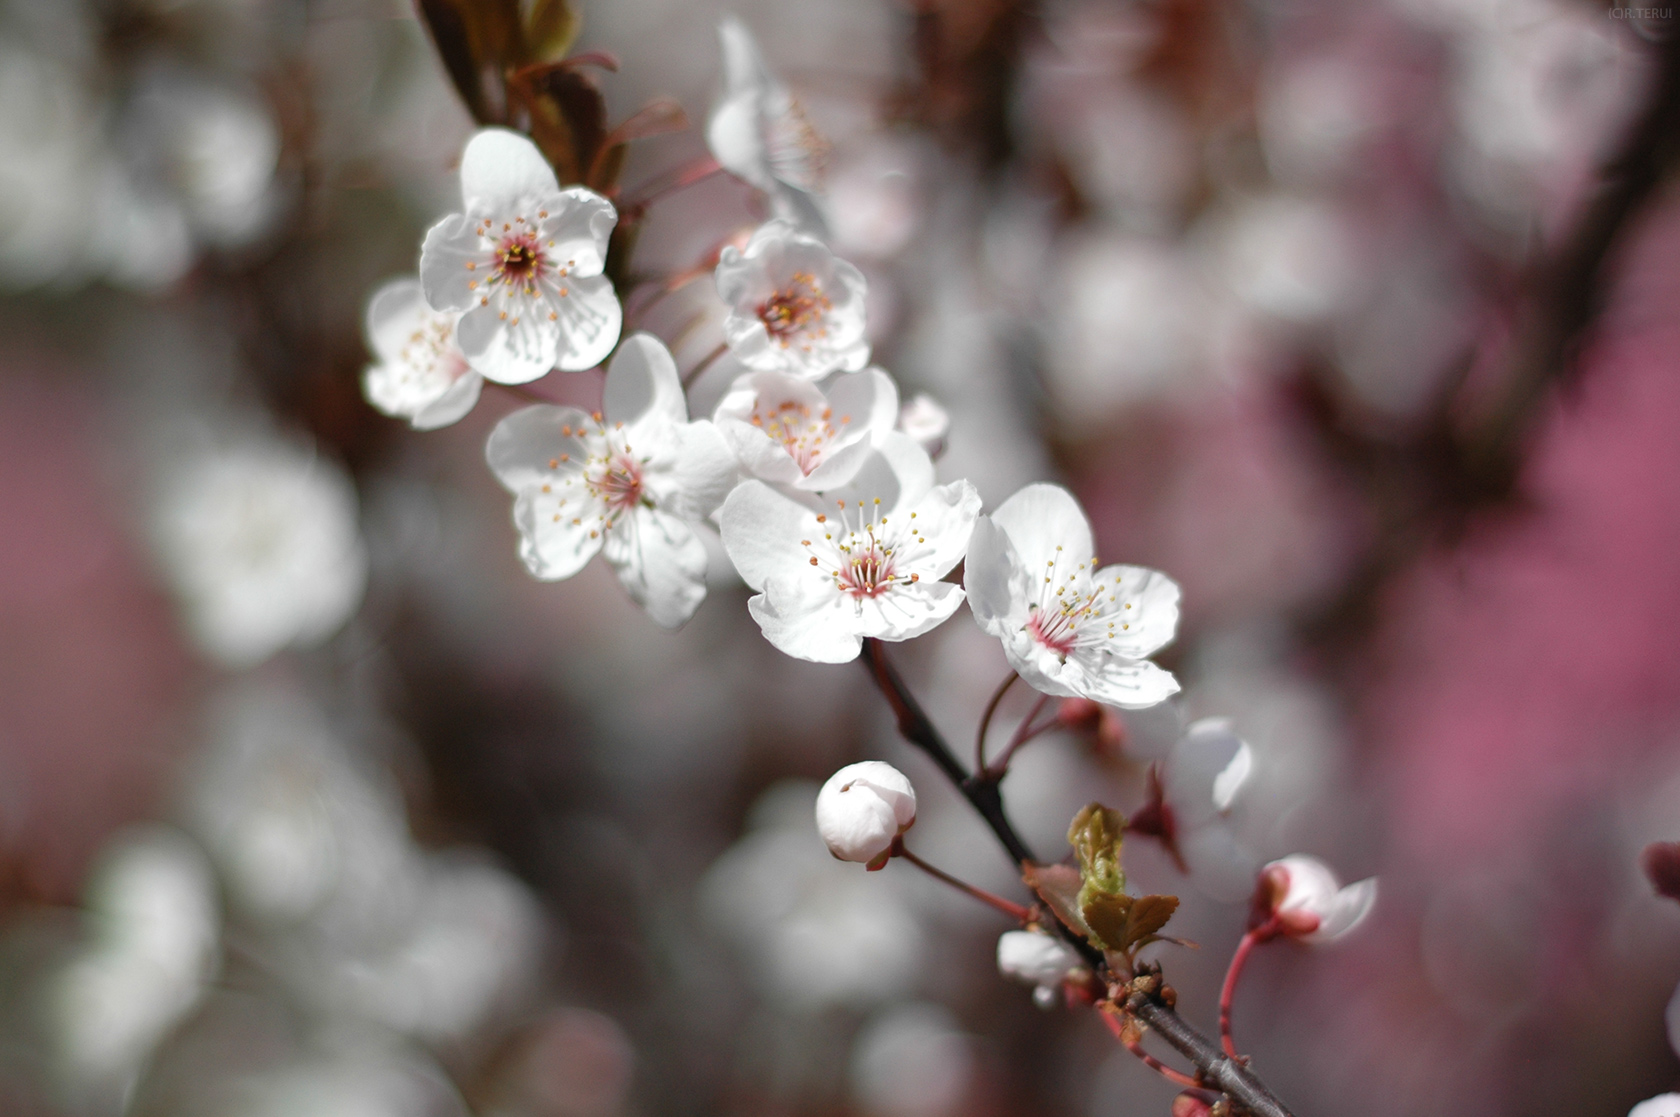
(862, 808)
(1034, 958)
(1312, 905)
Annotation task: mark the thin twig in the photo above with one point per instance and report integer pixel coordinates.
(1228, 991)
(986, 721)
(1013, 910)
(1023, 733)
(1111, 1017)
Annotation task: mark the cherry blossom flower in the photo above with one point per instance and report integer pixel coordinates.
(1068, 628)
(788, 431)
(1302, 898)
(759, 133)
(1036, 959)
(1663, 1105)
(794, 306)
(421, 374)
(925, 421)
(524, 263)
(261, 544)
(629, 483)
(865, 561)
(862, 810)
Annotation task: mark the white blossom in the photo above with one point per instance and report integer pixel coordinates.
(1069, 628)
(420, 373)
(788, 431)
(794, 307)
(862, 809)
(261, 544)
(926, 421)
(524, 263)
(1312, 905)
(1663, 1105)
(759, 133)
(913, 1061)
(1036, 959)
(866, 562)
(629, 481)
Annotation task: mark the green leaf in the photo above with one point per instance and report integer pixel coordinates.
(1149, 915)
(1124, 923)
(1096, 836)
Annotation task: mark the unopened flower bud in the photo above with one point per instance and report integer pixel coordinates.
(1661, 862)
(1189, 1105)
(1037, 959)
(862, 809)
(1303, 899)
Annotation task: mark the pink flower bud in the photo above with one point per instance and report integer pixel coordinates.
(862, 809)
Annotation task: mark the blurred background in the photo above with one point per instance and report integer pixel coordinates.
(312, 802)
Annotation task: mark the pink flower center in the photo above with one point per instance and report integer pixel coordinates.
(1057, 633)
(617, 481)
(867, 573)
(801, 434)
(796, 311)
(519, 261)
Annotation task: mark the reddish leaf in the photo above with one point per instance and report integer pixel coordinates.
(1661, 862)
(1058, 887)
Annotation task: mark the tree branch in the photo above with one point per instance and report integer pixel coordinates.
(1214, 1067)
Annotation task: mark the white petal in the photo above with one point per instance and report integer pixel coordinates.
(508, 350)
(578, 226)
(660, 562)
(1127, 684)
(553, 545)
(759, 454)
(449, 247)
(391, 315)
(1206, 767)
(761, 532)
(525, 443)
(813, 625)
(1312, 884)
(736, 142)
(1039, 519)
(837, 467)
(994, 579)
(905, 612)
(701, 471)
(946, 519)
(1348, 908)
(642, 381)
(452, 405)
(897, 471)
(590, 318)
(1153, 618)
(500, 169)
(1663, 1105)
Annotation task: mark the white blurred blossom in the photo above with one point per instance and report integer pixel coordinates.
(794, 306)
(758, 132)
(1068, 628)
(912, 1061)
(153, 944)
(926, 421)
(1663, 1105)
(1037, 959)
(814, 933)
(419, 373)
(862, 809)
(523, 262)
(260, 543)
(631, 482)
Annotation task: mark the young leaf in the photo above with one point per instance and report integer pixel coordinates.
(1096, 835)
(551, 27)
(1058, 887)
(1109, 918)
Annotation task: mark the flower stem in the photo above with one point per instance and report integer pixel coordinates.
(1227, 992)
(1013, 910)
(705, 363)
(1130, 1042)
(1023, 733)
(986, 721)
